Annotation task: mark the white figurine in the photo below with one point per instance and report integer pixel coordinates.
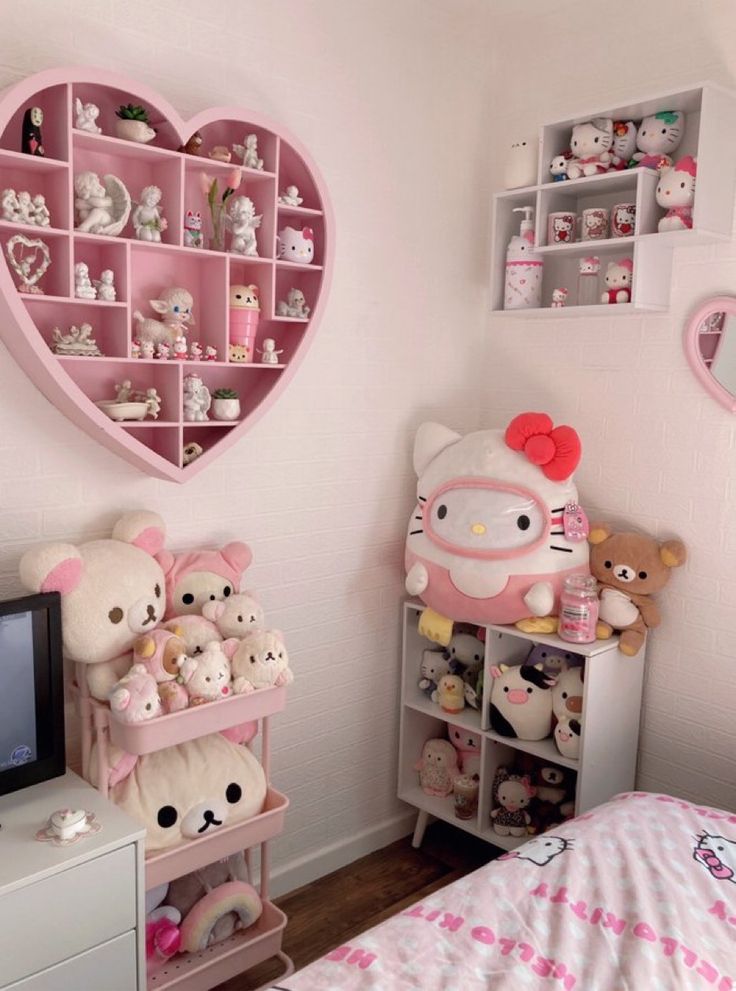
(269, 354)
(163, 351)
(83, 288)
(295, 305)
(197, 399)
(24, 211)
(101, 209)
(106, 286)
(86, 115)
(9, 204)
(147, 221)
(291, 197)
(135, 349)
(78, 341)
(41, 215)
(210, 353)
(248, 151)
(180, 348)
(152, 400)
(175, 308)
(243, 221)
(147, 349)
(195, 351)
(559, 298)
(123, 392)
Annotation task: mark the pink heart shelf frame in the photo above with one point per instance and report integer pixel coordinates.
(143, 269)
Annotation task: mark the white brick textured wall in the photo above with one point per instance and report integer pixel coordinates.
(391, 99)
(658, 452)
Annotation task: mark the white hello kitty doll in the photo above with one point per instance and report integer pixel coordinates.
(658, 136)
(618, 280)
(163, 351)
(210, 353)
(147, 349)
(591, 145)
(195, 351)
(558, 167)
(676, 192)
(559, 298)
(180, 348)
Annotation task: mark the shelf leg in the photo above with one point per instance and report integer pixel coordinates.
(288, 971)
(422, 823)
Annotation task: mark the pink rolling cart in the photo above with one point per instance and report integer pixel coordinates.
(248, 947)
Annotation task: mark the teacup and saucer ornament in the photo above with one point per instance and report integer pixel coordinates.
(66, 826)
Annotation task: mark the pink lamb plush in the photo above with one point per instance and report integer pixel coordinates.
(207, 677)
(135, 697)
(202, 576)
(237, 616)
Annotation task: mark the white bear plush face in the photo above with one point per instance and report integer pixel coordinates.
(661, 133)
(208, 678)
(592, 138)
(260, 658)
(236, 616)
(192, 789)
(195, 631)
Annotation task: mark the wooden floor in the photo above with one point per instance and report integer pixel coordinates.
(336, 908)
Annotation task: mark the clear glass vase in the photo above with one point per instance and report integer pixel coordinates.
(217, 241)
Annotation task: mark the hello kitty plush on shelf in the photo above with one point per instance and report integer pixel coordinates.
(591, 145)
(484, 543)
(618, 280)
(676, 192)
(658, 136)
(624, 143)
(558, 167)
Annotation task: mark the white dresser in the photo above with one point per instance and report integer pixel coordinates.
(72, 918)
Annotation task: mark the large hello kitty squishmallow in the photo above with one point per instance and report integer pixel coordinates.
(111, 591)
(486, 542)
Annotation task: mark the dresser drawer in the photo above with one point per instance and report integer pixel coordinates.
(110, 967)
(52, 920)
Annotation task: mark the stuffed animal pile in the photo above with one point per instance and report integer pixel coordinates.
(453, 677)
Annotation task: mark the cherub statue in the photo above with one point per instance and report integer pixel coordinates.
(291, 197)
(153, 401)
(101, 209)
(24, 211)
(243, 221)
(269, 354)
(123, 391)
(86, 115)
(106, 286)
(83, 288)
(41, 214)
(9, 204)
(147, 220)
(248, 151)
(197, 399)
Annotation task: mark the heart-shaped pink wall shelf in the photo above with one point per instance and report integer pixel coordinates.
(143, 269)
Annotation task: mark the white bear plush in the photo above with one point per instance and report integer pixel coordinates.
(260, 662)
(236, 616)
(111, 591)
(207, 676)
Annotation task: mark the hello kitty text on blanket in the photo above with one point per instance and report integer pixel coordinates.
(638, 894)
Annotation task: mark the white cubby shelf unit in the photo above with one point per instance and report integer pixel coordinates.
(610, 726)
(710, 136)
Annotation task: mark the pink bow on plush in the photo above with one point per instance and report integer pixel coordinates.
(555, 449)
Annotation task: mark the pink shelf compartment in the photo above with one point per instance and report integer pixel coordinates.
(252, 381)
(316, 222)
(108, 144)
(229, 132)
(165, 865)
(303, 277)
(57, 278)
(243, 950)
(176, 727)
(109, 325)
(53, 183)
(293, 172)
(108, 98)
(253, 271)
(101, 253)
(32, 163)
(54, 101)
(165, 443)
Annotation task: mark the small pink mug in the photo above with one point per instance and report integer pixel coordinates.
(561, 227)
(594, 224)
(623, 219)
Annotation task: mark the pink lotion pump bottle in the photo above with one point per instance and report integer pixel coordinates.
(523, 280)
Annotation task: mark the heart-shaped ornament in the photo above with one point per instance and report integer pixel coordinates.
(253, 311)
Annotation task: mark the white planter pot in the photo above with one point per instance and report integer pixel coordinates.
(225, 409)
(134, 130)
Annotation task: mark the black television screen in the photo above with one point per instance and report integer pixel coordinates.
(31, 692)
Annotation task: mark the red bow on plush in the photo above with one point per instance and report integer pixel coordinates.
(555, 449)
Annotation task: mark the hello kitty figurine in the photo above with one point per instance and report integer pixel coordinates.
(163, 351)
(484, 542)
(658, 136)
(296, 246)
(210, 353)
(559, 298)
(676, 192)
(180, 349)
(558, 168)
(618, 280)
(591, 147)
(135, 349)
(195, 351)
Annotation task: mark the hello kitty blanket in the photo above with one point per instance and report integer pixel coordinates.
(637, 895)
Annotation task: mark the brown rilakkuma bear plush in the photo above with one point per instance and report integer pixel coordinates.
(630, 568)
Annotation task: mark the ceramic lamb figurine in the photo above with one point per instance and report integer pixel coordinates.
(85, 115)
(243, 222)
(175, 307)
(147, 221)
(83, 288)
(676, 192)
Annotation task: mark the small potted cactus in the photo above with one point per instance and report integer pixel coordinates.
(132, 123)
(225, 404)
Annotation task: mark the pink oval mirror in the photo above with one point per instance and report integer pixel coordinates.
(710, 346)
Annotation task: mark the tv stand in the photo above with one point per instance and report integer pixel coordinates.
(73, 916)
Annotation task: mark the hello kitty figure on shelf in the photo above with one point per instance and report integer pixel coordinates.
(105, 286)
(85, 116)
(658, 136)
(193, 237)
(248, 151)
(676, 192)
(180, 349)
(559, 298)
(163, 350)
(591, 147)
(195, 351)
(243, 222)
(210, 353)
(197, 399)
(624, 143)
(558, 167)
(618, 280)
(83, 288)
(296, 246)
(147, 221)
(147, 349)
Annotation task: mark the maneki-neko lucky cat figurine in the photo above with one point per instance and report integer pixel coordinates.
(487, 542)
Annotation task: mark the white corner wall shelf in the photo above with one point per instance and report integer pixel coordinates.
(710, 136)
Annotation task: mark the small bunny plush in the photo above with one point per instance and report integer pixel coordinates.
(135, 697)
(236, 616)
(207, 677)
(260, 662)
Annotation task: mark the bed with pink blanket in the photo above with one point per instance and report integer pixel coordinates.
(637, 895)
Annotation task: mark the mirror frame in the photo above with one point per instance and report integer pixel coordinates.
(716, 304)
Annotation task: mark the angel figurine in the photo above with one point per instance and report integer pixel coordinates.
(101, 209)
(86, 115)
(269, 354)
(41, 214)
(24, 211)
(291, 197)
(83, 288)
(147, 220)
(105, 286)
(243, 221)
(248, 151)
(9, 204)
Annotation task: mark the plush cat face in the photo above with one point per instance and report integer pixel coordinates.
(618, 275)
(296, 246)
(193, 221)
(676, 186)
(592, 138)
(661, 133)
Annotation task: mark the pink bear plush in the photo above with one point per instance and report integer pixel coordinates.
(207, 677)
(202, 576)
(135, 697)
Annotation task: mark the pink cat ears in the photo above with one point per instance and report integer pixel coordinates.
(556, 450)
(687, 164)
